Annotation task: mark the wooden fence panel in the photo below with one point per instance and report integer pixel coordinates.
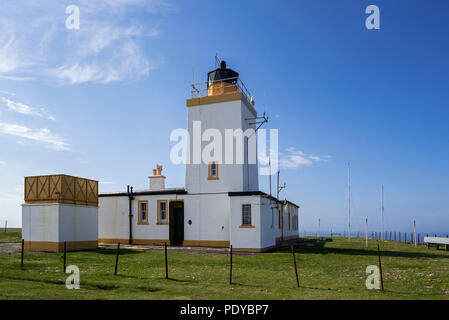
(61, 189)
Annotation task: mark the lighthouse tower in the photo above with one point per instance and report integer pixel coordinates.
(221, 117)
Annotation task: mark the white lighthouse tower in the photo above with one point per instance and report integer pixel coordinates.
(221, 110)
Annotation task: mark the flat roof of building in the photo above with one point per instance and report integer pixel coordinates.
(144, 192)
(258, 193)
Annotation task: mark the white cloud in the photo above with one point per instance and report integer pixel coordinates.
(106, 182)
(109, 46)
(296, 158)
(315, 158)
(127, 63)
(26, 109)
(43, 135)
(2, 163)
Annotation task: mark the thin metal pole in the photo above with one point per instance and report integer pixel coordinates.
(383, 224)
(65, 254)
(21, 259)
(294, 264)
(366, 233)
(414, 226)
(116, 258)
(6, 225)
(319, 222)
(349, 200)
(380, 268)
(230, 266)
(166, 261)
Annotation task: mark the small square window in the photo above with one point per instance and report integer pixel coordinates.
(213, 171)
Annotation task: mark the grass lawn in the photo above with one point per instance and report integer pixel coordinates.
(333, 271)
(11, 235)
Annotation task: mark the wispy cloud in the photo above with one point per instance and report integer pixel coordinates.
(26, 109)
(106, 182)
(43, 135)
(108, 47)
(2, 163)
(295, 158)
(126, 63)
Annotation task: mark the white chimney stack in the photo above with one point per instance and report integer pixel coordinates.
(157, 180)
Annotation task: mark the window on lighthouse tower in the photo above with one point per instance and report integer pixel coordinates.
(213, 171)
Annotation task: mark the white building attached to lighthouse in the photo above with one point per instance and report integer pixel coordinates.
(221, 204)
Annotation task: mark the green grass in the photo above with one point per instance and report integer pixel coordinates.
(333, 271)
(11, 235)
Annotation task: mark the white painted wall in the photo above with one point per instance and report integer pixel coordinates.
(209, 214)
(78, 223)
(40, 222)
(59, 222)
(245, 237)
(232, 177)
(210, 217)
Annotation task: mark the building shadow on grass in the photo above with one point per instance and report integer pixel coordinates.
(114, 252)
(322, 249)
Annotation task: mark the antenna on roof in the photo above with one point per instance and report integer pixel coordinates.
(217, 60)
(259, 121)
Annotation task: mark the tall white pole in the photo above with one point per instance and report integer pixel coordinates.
(366, 233)
(383, 230)
(414, 227)
(319, 221)
(349, 200)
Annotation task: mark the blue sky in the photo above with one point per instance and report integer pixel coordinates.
(100, 102)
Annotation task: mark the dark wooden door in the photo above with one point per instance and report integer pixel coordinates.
(176, 223)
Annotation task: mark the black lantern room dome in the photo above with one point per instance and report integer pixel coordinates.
(222, 74)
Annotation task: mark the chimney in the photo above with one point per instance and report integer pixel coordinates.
(157, 180)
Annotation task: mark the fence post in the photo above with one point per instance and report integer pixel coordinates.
(380, 268)
(294, 264)
(116, 259)
(21, 259)
(230, 265)
(65, 254)
(166, 261)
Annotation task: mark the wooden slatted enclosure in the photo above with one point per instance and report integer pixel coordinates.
(61, 189)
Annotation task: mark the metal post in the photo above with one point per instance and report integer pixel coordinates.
(294, 264)
(349, 200)
(65, 254)
(21, 261)
(366, 233)
(414, 226)
(166, 261)
(319, 222)
(230, 265)
(116, 258)
(383, 213)
(380, 268)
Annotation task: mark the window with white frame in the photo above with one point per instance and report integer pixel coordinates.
(246, 215)
(162, 212)
(143, 212)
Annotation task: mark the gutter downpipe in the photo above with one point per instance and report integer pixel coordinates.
(131, 198)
